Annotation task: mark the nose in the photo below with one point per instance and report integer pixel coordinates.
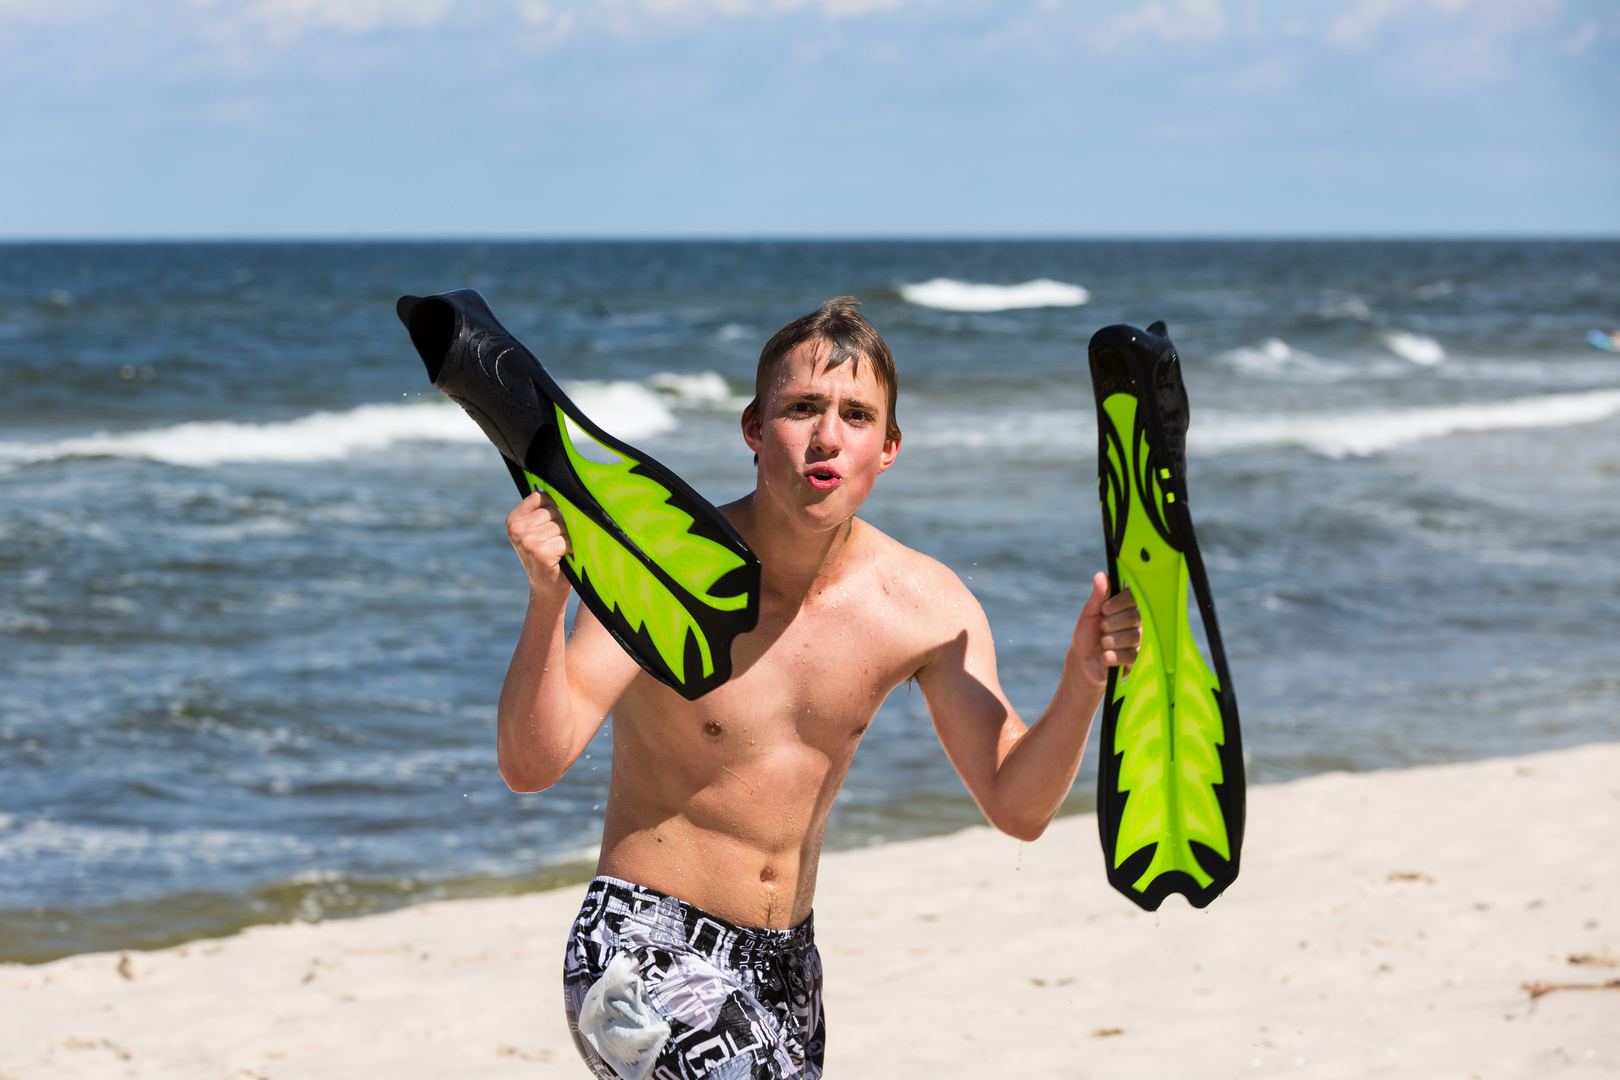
(828, 433)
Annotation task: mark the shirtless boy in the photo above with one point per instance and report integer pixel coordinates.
(694, 954)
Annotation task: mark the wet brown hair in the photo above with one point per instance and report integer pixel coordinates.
(841, 325)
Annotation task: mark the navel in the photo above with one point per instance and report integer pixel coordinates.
(767, 875)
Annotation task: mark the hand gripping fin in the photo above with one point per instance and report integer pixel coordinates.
(655, 562)
(1170, 784)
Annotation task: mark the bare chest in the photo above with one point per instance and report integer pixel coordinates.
(813, 677)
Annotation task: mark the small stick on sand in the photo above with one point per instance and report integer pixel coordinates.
(1537, 989)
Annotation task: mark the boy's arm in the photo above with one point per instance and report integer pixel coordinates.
(559, 688)
(1020, 775)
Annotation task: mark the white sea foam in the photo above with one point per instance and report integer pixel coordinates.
(1347, 434)
(626, 409)
(703, 390)
(320, 436)
(1418, 348)
(949, 295)
(1335, 435)
(1035, 430)
(1274, 357)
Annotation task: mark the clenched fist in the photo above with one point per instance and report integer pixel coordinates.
(1108, 634)
(535, 527)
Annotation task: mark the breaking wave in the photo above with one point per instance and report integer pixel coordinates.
(628, 410)
(1334, 435)
(1358, 434)
(946, 294)
(704, 390)
(1418, 348)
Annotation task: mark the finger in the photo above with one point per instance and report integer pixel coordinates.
(547, 552)
(1120, 635)
(1120, 658)
(1124, 639)
(552, 547)
(1120, 601)
(1121, 620)
(1099, 596)
(531, 502)
(540, 532)
(522, 521)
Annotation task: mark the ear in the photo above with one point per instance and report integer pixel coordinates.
(891, 450)
(753, 427)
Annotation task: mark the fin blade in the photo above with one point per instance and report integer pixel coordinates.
(659, 565)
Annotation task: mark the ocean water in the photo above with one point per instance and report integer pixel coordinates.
(256, 600)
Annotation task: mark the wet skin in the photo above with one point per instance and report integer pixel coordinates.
(723, 801)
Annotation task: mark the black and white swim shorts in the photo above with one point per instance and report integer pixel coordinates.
(656, 988)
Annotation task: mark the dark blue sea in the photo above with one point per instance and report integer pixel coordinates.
(256, 600)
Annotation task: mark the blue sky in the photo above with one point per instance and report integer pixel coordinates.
(523, 118)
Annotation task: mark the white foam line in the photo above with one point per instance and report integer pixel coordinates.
(1340, 435)
(1417, 348)
(320, 436)
(1336, 435)
(626, 409)
(947, 294)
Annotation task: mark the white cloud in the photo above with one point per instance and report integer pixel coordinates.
(668, 8)
(289, 17)
(834, 9)
(1197, 21)
(1358, 24)
(1361, 21)
(1578, 41)
(854, 9)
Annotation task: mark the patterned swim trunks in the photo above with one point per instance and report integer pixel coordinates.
(656, 988)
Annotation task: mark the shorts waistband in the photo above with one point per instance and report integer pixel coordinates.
(706, 933)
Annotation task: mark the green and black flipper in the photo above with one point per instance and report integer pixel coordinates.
(1170, 786)
(661, 568)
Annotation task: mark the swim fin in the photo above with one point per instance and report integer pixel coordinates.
(1170, 787)
(662, 569)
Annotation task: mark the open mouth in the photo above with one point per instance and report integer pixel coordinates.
(822, 479)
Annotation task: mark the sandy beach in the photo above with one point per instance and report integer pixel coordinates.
(1451, 921)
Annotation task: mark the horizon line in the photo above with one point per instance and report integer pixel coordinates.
(811, 238)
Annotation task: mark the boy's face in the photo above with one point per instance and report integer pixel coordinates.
(819, 435)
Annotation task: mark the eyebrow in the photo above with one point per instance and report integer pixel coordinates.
(812, 395)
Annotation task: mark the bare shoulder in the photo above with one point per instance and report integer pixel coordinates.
(915, 586)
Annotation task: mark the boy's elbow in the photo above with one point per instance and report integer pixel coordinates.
(1019, 827)
(527, 777)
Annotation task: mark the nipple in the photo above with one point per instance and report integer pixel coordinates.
(713, 730)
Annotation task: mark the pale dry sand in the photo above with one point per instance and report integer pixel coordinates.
(1384, 925)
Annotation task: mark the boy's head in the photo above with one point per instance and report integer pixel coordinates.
(850, 336)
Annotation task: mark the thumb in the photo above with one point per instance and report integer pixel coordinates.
(1099, 595)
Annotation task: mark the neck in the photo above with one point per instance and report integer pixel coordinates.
(792, 559)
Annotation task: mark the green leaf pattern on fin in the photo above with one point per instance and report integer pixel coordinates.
(1169, 727)
(640, 506)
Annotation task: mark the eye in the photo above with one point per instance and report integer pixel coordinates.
(800, 408)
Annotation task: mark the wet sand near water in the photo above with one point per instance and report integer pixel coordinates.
(1446, 921)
